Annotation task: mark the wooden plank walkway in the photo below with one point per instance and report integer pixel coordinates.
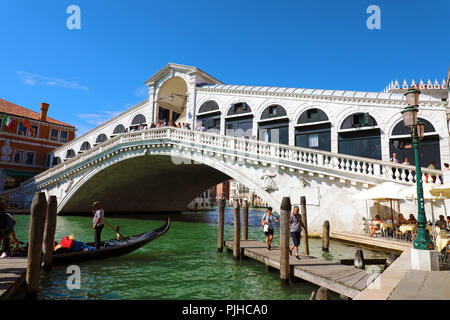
(380, 243)
(342, 279)
(12, 275)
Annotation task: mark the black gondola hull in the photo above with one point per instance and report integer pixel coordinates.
(131, 244)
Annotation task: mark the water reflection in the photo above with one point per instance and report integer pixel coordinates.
(182, 264)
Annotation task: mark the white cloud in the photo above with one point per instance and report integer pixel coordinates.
(141, 92)
(97, 119)
(33, 79)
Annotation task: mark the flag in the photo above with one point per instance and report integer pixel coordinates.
(8, 122)
(29, 127)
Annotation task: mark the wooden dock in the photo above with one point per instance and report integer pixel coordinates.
(12, 275)
(377, 243)
(342, 279)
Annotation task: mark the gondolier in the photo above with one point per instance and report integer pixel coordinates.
(98, 222)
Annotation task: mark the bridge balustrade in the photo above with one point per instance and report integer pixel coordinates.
(265, 152)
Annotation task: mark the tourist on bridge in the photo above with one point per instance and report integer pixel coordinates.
(394, 158)
(267, 222)
(296, 225)
(98, 222)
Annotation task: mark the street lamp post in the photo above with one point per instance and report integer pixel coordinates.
(417, 130)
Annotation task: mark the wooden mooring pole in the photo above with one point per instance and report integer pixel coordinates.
(326, 236)
(305, 222)
(245, 219)
(35, 237)
(237, 230)
(49, 233)
(285, 212)
(359, 259)
(220, 224)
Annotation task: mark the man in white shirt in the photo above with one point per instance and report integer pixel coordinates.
(98, 222)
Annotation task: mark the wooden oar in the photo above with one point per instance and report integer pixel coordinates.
(114, 229)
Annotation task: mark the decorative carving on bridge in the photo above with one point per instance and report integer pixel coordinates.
(268, 181)
(6, 151)
(303, 182)
(69, 186)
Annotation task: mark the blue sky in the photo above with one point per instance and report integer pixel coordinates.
(89, 75)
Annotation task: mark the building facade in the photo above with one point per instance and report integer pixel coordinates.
(27, 140)
(365, 124)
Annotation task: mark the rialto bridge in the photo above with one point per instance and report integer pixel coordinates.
(323, 144)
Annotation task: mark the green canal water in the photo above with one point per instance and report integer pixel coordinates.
(182, 264)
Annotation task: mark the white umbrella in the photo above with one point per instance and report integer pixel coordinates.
(441, 191)
(411, 193)
(384, 191)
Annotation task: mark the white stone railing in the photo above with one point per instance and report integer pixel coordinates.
(362, 169)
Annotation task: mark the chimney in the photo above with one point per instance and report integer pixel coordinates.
(44, 109)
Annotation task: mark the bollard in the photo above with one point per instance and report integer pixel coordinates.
(322, 294)
(237, 230)
(245, 219)
(49, 233)
(305, 222)
(220, 224)
(359, 259)
(326, 236)
(35, 237)
(390, 260)
(285, 211)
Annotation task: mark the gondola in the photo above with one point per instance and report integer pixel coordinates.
(114, 248)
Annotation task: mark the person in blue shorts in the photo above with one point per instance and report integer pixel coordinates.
(267, 222)
(295, 226)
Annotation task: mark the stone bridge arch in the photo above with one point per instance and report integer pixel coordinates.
(160, 182)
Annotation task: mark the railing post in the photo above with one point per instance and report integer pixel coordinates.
(305, 222)
(220, 224)
(244, 219)
(35, 237)
(237, 230)
(285, 211)
(320, 160)
(49, 233)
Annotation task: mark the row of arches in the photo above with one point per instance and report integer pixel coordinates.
(138, 120)
(358, 134)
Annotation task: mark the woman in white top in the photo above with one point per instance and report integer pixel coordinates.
(98, 222)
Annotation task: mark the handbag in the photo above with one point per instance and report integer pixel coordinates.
(266, 228)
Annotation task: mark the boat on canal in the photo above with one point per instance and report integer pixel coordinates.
(112, 248)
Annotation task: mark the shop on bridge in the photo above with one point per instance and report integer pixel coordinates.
(239, 120)
(138, 120)
(313, 130)
(359, 135)
(400, 143)
(274, 125)
(209, 116)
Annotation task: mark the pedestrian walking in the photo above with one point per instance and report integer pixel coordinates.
(267, 222)
(295, 225)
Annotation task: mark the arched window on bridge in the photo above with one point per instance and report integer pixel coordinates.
(101, 138)
(239, 120)
(56, 161)
(85, 146)
(137, 121)
(400, 143)
(118, 129)
(208, 116)
(70, 154)
(359, 135)
(274, 125)
(313, 130)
